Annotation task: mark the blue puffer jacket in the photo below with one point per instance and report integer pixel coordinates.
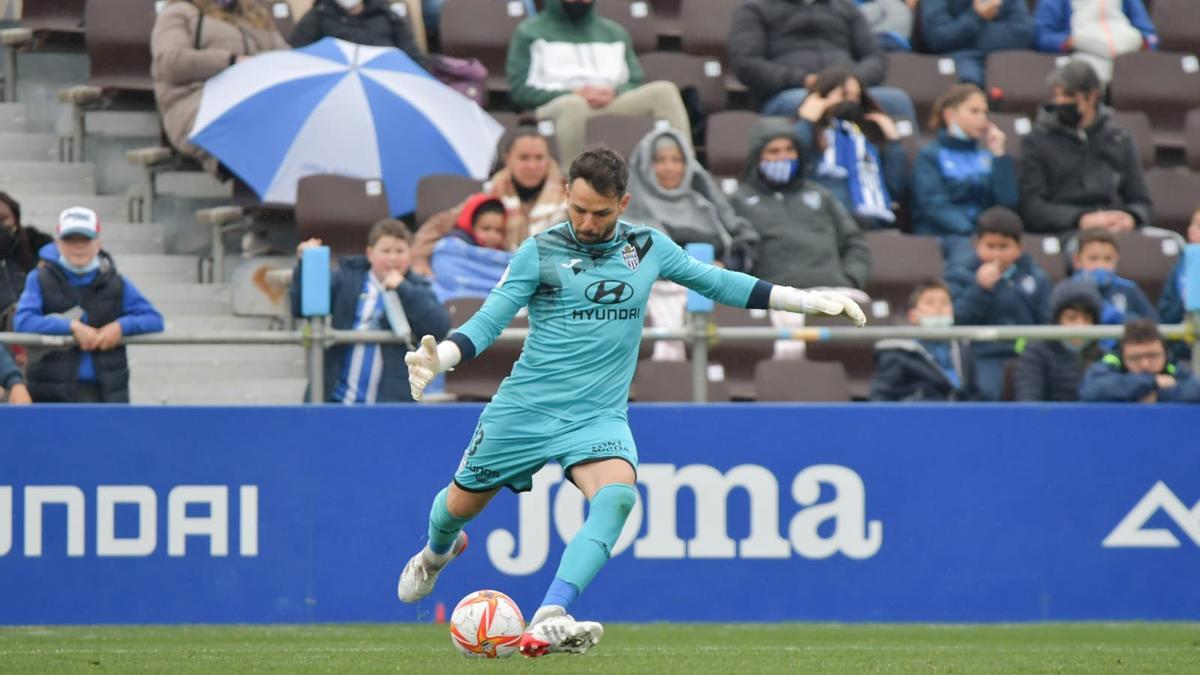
(1021, 297)
(1123, 300)
(1052, 23)
(955, 180)
(954, 25)
(1108, 380)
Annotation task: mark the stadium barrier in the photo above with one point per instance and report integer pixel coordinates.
(746, 513)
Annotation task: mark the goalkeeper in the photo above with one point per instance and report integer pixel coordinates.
(585, 282)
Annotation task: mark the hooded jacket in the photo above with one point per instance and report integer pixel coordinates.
(551, 55)
(52, 290)
(1047, 370)
(1066, 173)
(425, 316)
(376, 25)
(696, 211)
(806, 237)
(954, 26)
(955, 180)
(16, 259)
(1109, 380)
(462, 268)
(906, 371)
(1053, 23)
(775, 44)
(1020, 298)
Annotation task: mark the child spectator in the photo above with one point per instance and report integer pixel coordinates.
(192, 41)
(11, 381)
(77, 291)
(1140, 371)
(962, 173)
(1096, 261)
(377, 291)
(1051, 370)
(925, 370)
(1170, 305)
(969, 30)
(468, 262)
(1096, 31)
(856, 148)
(364, 22)
(1001, 286)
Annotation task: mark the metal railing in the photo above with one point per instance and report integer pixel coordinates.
(315, 336)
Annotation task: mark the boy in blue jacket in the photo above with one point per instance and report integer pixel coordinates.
(76, 290)
(1002, 286)
(1096, 261)
(377, 291)
(1140, 371)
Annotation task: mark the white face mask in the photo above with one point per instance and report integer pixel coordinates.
(348, 4)
(936, 321)
(956, 131)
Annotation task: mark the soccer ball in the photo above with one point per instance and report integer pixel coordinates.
(486, 624)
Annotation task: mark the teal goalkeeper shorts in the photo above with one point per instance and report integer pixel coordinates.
(511, 444)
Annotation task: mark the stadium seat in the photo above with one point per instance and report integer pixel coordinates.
(44, 22)
(1016, 126)
(285, 21)
(899, 262)
(704, 31)
(1047, 252)
(1148, 260)
(738, 357)
(1178, 25)
(923, 77)
(704, 75)
(800, 380)
(1175, 193)
(666, 17)
(339, 210)
(508, 120)
(481, 29)
(728, 142)
(671, 382)
(480, 381)
(438, 192)
(1191, 133)
(858, 358)
(1137, 123)
(1164, 84)
(1017, 80)
(619, 132)
(636, 17)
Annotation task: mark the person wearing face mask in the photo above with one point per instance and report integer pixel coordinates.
(858, 145)
(77, 291)
(568, 64)
(18, 255)
(1051, 370)
(192, 41)
(364, 22)
(526, 179)
(1095, 262)
(1096, 31)
(962, 173)
(969, 30)
(1079, 170)
(925, 370)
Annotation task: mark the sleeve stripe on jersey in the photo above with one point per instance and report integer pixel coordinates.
(760, 296)
(464, 345)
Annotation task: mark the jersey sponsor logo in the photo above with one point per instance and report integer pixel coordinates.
(1132, 532)
(610, 314)
(609, 292)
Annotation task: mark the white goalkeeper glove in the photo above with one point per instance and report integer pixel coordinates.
(795, 300)
(428, 361)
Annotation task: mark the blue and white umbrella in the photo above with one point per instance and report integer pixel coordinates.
(335, 107)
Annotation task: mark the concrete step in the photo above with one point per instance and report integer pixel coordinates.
(124, 124)
(55, 171)
(168, 292)
(196, 324)
(13, 117)
(125, 238)
(216, 356)
(280, 391)
(193, 185)
(148, 269)
(197, 372)
(44, 209)
(29, 147)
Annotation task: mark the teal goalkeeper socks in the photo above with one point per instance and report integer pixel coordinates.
(591, 548)
(443, 527)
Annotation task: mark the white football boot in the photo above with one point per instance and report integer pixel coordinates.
(553, 631)
(422, 570)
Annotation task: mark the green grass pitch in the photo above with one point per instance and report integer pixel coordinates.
(643, 648)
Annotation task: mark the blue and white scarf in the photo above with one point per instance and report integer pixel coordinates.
(849, 156)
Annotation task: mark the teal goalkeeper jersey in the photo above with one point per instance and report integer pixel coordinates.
(587, 304)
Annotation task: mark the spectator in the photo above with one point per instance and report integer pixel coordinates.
(1096, 31)
(77, 291)
(18, 255)
(962, 173)
(468, 262)
(777, 47)
(11, 381)
(671, 192)
(969, 30)
(1078, 169)
(192, 41)
(925, 370)
(857, 148)
(1170, 305)
(568, 64)
(1140, 371)
(1051, 370)
(1095, 261)
(365, 22)
(529, 183)
(375, 292)
(891, 21)
(1002, 286)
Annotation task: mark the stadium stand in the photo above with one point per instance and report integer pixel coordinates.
(704, 29)
(898, 262)
(1147, 260)
(1191, 134)
(701, 74)
(1178, 25)
(1165, 85)
(858, 358)
(339, 210)
(1175, 192)
(438, 192)
(481, 29)
(728, 136)
(1017, 80)
(924, 77)
(671, 382)
(619, 132)
(43, 23)
(1046, 251)
(637, 17)
(738, 358)
(797, 380)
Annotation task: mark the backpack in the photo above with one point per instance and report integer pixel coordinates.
(466, 76)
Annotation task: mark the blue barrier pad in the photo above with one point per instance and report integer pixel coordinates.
(1191, 275)
(705, 254)
(314, 289)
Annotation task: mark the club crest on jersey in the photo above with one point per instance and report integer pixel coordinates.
(630, 255)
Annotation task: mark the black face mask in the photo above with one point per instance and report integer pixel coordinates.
(850, 111)
(1067, 114)
(576, 11)
(8, 239)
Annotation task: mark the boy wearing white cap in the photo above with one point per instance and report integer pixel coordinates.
(77, 291)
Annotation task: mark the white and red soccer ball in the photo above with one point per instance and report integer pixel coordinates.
(486, 624)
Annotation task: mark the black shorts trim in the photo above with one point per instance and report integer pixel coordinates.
(593, 460)
(464, 488)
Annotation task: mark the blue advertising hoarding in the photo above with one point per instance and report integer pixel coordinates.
(746, 513)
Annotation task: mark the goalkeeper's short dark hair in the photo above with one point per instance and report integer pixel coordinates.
(603, 169)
